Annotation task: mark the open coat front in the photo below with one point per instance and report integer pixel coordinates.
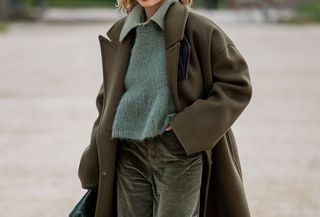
(210, 83)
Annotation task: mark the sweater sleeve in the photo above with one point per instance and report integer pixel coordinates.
(200, 125)
(88, 170)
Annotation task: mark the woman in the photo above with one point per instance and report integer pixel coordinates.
(173, 84)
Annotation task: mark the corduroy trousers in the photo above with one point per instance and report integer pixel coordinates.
(155, 178)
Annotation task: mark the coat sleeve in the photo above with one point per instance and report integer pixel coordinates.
(200, 125)
(88, 170)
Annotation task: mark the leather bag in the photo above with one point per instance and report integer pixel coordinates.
(86, 206)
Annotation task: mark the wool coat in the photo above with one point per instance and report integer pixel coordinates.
(211, 87)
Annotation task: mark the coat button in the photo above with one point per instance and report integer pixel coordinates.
(104, 173)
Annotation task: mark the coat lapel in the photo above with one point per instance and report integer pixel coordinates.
(175, 22)
(119, 69)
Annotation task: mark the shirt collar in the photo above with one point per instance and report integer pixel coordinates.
(136, 17)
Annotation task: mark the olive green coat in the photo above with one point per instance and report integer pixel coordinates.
(216, 92)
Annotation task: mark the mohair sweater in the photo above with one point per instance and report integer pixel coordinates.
(147, 105)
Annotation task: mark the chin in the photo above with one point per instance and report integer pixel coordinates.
(148, 3)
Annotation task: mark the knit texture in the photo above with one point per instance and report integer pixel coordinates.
(147, 105)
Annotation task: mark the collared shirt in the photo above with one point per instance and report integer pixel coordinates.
(136, 17)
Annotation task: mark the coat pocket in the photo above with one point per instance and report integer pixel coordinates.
(184, 58)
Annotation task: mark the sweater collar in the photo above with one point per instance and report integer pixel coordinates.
(137, 17)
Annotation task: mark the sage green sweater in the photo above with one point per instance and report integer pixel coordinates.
(147, 105)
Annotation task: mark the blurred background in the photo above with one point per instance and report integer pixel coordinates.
(50, 68)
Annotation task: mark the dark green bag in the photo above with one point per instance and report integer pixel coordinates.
(86, 206)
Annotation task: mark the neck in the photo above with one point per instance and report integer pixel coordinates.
(150, 11)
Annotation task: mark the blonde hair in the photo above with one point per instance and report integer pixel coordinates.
(127, 5)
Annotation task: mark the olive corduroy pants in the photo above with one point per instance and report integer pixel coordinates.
(155, 178)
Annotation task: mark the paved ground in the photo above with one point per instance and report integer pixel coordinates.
(50, 76)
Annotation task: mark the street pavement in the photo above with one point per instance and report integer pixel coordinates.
(50, 75)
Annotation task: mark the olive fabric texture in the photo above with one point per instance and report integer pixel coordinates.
(147, 106)
(156, 178)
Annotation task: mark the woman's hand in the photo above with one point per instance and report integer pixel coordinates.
(168, 128)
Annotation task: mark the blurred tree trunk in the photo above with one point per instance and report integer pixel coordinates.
(4, 9)
(11, 9)
(231, 3)
(15, 9)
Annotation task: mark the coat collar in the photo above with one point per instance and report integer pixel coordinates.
(174, 24)
(136, 17)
